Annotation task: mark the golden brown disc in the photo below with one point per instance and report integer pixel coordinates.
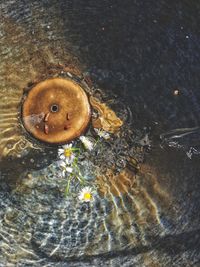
(56, 111)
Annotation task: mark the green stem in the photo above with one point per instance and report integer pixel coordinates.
(97, 142)
(75, 149)
(79, 176)
(68, 186)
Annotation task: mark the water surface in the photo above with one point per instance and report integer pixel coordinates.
(137, 54)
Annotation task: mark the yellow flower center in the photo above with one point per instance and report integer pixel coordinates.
(68, 152)
(87, 196)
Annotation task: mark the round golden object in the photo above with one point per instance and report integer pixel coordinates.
(56, 111)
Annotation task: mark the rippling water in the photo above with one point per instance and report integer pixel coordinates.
(137, 55)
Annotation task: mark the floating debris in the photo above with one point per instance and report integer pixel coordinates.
(87, 143)
(107, 119)
(133, 164)
(102, 134)
(176, 92)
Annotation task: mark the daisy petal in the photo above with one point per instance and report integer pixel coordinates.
(69, 169)
(63, 164)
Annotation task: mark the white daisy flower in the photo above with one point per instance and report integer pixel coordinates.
(65, 168)
(66, 154)
(86, 142)
(102, 133)
(68, 169)
(86, 194)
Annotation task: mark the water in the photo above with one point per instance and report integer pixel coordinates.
(137, 54)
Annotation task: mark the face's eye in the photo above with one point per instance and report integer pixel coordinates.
(54, 108)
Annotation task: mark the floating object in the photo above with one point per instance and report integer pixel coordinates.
(88, 144)
(86, 194)
(56, 111)
(66, 154)
(176, 92)
(107, 119)
(102, 134)
(133, 164)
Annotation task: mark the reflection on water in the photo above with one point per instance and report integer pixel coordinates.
(187, 139)
(146, 207)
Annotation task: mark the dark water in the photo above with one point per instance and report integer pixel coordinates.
(138, 53)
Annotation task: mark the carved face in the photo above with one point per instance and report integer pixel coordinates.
(56, 111)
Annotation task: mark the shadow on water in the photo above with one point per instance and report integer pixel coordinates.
(170, 244)
(14, 169)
